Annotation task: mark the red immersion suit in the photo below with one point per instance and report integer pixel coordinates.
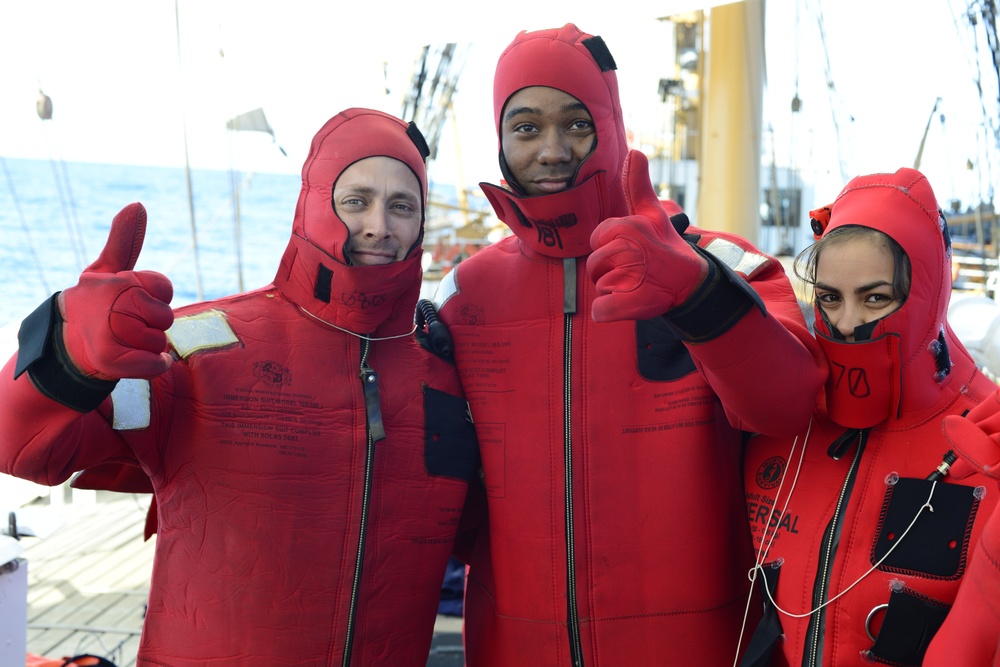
(309, 479)
(971, 632)
(826, 511)
(611, 451)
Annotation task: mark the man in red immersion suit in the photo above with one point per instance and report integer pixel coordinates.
(309, 458)
(611, 356)
(863, 533)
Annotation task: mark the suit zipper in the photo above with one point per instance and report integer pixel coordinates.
(374, 432)
(814, 633)
(573, 611)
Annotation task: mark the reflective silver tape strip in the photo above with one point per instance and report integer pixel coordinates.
(737, 258)
(131, 405)
(447, 288)
(203, 331)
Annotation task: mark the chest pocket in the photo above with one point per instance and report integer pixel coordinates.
(661, 354)
(450, 445)
(938, 544)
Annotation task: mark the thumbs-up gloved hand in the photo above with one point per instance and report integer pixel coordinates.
(640, 264)
(115, 318)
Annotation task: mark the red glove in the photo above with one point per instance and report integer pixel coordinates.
(640, 264)
(115, 318)
(975, 438)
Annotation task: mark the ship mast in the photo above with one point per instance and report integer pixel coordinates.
(733, 83)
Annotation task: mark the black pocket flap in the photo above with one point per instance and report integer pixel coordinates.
(938, 543)
(450, 445)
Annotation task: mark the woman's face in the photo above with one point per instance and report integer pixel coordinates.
(854, 283)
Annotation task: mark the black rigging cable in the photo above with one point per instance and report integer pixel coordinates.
(989, 16)
(982, 14)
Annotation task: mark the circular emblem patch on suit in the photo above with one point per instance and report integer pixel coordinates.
(470, 314)
(770, 472)
(272, 373)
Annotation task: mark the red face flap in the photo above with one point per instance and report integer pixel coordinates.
(863, 388)
(555, 225)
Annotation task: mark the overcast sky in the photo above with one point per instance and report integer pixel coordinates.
(123, 94)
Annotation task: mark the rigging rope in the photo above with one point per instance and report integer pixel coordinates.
(989, 22)
(60, 175)
(976, 14)
(187, 161)
(235, 187)
(831, 90)
(221, 210)
(24, 227)
(65, 194)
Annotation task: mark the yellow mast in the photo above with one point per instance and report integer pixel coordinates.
(732, 103)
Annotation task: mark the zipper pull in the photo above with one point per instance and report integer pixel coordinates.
(373, 406)
(841, 445)
(569, 285)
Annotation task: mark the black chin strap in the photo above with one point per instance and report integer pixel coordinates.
(863, 332)
(512, 183)
(508, 176)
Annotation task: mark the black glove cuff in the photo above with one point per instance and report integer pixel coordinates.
(33, 336)
(715, 306)
(42, 353)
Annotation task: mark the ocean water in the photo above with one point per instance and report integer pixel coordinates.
(55, 217)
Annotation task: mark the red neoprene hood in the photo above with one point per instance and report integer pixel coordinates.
(903, 206)
(560, 224)
(560, 58)
(314, 273)
(350, 136)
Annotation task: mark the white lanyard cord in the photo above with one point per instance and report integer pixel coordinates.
(766, 545)
(353, 333)
(763, 549)
(927, 505)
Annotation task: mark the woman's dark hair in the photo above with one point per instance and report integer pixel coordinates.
(806, 261)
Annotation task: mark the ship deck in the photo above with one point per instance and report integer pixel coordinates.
(89, 579)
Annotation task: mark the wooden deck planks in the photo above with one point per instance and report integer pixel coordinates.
(88, 581)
